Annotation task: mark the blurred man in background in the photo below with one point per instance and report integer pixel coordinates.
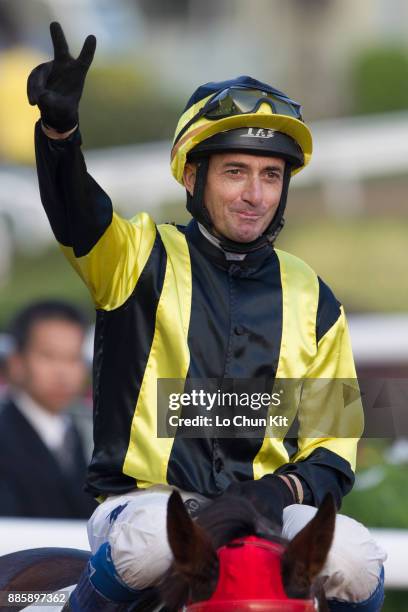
(42, 459)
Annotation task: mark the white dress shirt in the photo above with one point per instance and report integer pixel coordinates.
(51, 428)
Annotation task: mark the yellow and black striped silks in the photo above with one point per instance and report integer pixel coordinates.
(169, 305)
(141, 279)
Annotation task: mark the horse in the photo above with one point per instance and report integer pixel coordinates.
(208, 554)
(207, 574)
(40, 569)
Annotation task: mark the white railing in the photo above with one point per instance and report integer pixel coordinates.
(19, 534)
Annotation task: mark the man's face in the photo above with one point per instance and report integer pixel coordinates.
(242, 193)
(50, 368)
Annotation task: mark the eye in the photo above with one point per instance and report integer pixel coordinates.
(273, 175)
(234, 171)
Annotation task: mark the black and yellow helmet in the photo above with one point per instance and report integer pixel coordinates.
(243, 102)
(242, 115)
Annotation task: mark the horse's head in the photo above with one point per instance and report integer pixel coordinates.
(231, 559)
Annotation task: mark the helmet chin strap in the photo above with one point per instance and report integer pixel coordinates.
(196, 207)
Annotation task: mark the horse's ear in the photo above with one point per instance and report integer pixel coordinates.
(306, 554)
(194, 572)
(187, 540)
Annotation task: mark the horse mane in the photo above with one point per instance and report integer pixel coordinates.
(230, 516)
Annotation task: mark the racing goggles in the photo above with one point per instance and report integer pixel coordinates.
(242, 101)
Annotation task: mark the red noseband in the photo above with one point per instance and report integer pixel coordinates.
(250, 579)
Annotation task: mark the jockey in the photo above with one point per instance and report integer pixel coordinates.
(212, 300)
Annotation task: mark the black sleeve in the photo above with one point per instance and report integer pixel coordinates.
(78, 210)
(320, 473)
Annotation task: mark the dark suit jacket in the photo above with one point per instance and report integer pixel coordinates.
(32, 483)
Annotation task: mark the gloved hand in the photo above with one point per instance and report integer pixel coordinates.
(56, 86)
(269, 495)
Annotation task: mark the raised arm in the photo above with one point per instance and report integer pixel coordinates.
(103, 248)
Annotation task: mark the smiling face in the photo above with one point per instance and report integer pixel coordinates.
(242, 193)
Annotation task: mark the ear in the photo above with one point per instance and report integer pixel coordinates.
(306, 554)
(188, 541)
(195, 567)
(189, 177)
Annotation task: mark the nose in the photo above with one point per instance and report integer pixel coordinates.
(253, 192)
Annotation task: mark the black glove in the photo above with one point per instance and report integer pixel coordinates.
(56, 86)
(269, 495)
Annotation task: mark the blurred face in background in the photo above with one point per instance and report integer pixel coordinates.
(50, 368)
